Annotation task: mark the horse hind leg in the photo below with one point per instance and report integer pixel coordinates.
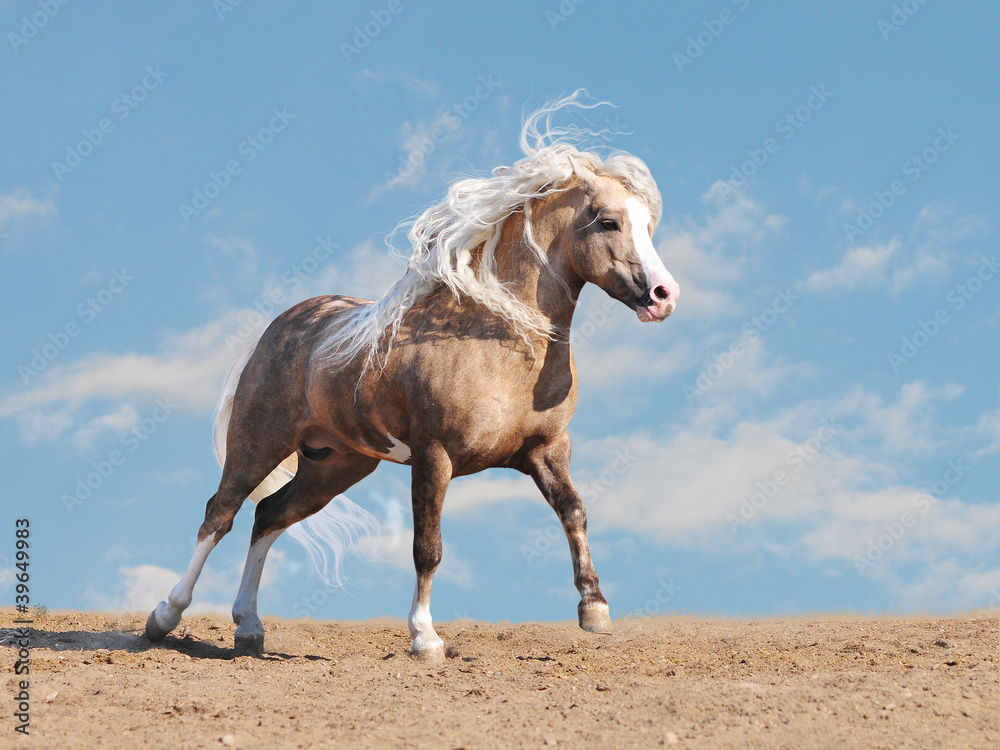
(166, 616)
(316, 482)
(249, 628)
(220, 511)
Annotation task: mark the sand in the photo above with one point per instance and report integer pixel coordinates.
(813, 682)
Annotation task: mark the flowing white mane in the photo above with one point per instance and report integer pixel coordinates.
(472, 215)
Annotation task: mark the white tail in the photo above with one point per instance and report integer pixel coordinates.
(342, 526)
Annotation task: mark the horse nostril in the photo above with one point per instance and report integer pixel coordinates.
(661, 293)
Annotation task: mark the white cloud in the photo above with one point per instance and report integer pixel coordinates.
(379, 80)
(471, 492)
(723, 375)
(178, 476)
(815, 483)
(927, 254)
(19, 207)
(937, 233)
(613, 349)
(142, 587)
(188, 370)
(396, 547)
(860, 267)
(188, 367)
(237, 250)
(367, 270)
(904, 428)
(419, 142)
(707, 259)
(116, 422)
(988, 429)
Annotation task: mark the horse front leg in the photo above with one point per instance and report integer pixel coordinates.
(431, 474)
(550, 470)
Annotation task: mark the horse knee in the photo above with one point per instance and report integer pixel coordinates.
(427, 556)
(574, 517)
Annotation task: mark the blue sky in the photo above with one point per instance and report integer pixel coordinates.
(816, 428)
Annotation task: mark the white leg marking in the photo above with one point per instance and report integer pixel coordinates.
(427, 644)
(167, 614)
(400, 452)
(245, 607)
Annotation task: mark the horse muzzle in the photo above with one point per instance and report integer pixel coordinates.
(659, 302)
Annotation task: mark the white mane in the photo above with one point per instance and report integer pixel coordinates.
(472, 215)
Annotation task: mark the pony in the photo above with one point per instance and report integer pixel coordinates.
(462, 365)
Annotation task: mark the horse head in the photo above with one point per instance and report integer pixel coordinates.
(609, 244)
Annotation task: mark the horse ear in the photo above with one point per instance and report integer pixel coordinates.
(587, 178)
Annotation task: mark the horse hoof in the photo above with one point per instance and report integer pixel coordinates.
(428, 649)
(431, 655)
(154, 631)
(595, 618)
(249, 645)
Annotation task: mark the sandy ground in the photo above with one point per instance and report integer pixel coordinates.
(822, 682)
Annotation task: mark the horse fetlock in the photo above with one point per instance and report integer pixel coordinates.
(594, 617)
(161, 621)
(178, 602)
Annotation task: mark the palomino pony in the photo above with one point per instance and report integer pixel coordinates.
(464, 364)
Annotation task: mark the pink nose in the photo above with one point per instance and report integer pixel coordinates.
(666, 293)
(663, 298)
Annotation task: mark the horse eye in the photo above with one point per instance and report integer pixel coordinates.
(610, 224)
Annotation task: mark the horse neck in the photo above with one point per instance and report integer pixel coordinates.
(552, 289)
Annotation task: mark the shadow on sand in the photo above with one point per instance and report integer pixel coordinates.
(133, 641)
